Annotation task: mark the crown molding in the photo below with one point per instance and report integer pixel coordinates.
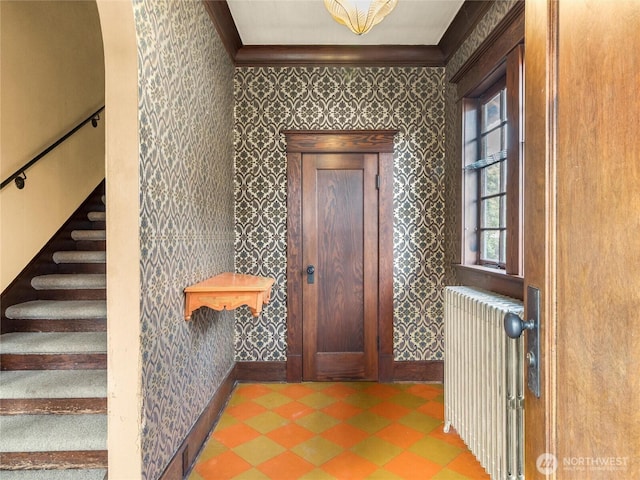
(345, 55)
(462, 25)
(222, 19)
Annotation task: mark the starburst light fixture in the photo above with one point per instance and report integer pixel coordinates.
(359, 15)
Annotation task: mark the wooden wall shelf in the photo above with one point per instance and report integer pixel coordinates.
(228, 291)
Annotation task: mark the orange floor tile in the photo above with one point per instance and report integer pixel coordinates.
(339, 431)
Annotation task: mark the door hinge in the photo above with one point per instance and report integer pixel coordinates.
(377, 182)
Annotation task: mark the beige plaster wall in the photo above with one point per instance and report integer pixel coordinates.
(51, 77)
(123, 254)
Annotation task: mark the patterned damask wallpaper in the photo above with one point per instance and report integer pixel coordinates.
(453, 119)
(268, 100)
(186, 198)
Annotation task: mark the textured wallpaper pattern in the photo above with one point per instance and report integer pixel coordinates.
(186, 198)
(453, 119)
(268, 100)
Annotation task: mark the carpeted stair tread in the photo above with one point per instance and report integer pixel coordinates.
(58, 310)
(27, 343)
(97, 216)
(53, 384)
(93, 474)
(68, 281)
(91, 235)
(80, 256)
(45, 433)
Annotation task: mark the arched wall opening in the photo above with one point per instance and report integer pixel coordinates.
(123, 254)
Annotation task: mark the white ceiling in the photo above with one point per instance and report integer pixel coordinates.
(307, 22)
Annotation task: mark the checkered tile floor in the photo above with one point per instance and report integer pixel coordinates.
(340, 431)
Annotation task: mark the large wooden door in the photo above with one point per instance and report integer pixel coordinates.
(340, 246)
(582, 218)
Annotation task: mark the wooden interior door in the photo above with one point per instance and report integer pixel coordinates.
(582, 218)
(340, 245)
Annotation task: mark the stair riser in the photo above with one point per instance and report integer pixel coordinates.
(91, 245)
(53, 406)
(81, 268)
(98, 225)
(53, 460)
(88, 294)
(90, 361)
(77, 325)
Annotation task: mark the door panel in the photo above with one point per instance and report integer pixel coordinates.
(582, 219)
(340, 234)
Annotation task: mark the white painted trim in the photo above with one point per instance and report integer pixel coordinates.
(123, 254)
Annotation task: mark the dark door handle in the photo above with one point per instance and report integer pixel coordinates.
(310, 272)
(514, 325)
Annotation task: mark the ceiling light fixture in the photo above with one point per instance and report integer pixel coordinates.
(359, 15)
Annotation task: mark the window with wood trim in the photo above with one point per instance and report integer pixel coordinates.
(492, 127)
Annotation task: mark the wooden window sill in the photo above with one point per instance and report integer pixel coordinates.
(491, 279)
(228, 291)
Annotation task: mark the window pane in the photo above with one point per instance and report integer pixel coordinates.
(490, 245)
(492, 113)
(492, 143)
(503, 246)
(491, 213)
(503, 211)
(491, 182)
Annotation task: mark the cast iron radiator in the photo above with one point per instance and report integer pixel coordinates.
(484, 379)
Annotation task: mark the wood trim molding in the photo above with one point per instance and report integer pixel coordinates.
(331, 141)
(502, 39)
(336, 141)
(419, 371)
(261, 371)
(347, 55)
(223, 21)
(181, 462)
(463, 23)
(490, 279)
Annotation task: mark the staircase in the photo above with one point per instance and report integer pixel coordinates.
(53, 378)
